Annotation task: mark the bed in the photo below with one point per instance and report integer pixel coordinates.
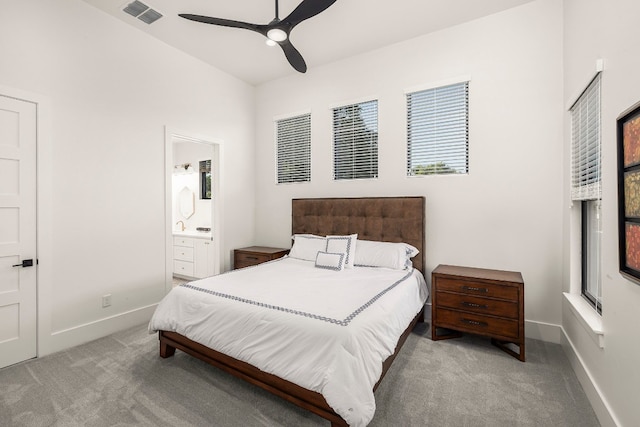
(311, 385)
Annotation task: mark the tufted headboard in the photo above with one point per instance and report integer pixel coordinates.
(388, 219)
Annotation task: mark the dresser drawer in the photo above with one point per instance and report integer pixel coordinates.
(247, 259)
(254, 255)
(183, 253)
(477, 324)
(183, 241)
(183, 268)
(473, 287)
(478, 305)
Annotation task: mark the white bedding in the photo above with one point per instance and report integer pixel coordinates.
(324, 330)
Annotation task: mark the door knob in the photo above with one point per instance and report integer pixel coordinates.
(25, 263)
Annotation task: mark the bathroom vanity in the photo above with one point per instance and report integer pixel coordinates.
(192, 254)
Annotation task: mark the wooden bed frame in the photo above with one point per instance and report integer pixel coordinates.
(392, 219)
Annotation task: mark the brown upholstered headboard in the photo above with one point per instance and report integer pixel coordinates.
(388, 219)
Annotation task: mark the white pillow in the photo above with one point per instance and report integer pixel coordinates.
(307, 246)
(344, 244)
(384, 254)
(330, 261)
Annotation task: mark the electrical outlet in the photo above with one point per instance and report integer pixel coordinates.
(106, 300)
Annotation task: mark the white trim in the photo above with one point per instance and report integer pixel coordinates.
(600, 405)
(542, 331)
(440, 83)
(291, 115)
(90, 331)
(590, 320)
(599, 68)
(355, 101)
(436, 175)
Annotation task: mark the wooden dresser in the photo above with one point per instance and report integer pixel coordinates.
(479, 301)
(254, 255)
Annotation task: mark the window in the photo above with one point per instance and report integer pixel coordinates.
(438, 130)
(591, 231)
(293, 149)
(355, 141)
(586, 186)
(205, 179)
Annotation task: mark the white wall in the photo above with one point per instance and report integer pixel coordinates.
(506, 213)
(110, 92)
(609, 30)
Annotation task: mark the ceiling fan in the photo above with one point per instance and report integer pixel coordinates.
(277, 31)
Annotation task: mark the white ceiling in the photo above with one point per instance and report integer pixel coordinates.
(347, 28)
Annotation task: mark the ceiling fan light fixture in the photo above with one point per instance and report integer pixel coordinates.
(277, 31)
(277, 35)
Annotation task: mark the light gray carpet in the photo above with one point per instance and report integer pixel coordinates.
(121, 381)
(177, 281)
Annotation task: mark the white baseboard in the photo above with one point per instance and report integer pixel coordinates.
(598, 402)
(67, 338)
(543, 331)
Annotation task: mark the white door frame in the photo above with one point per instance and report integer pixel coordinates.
(217, 198)
(44, 217)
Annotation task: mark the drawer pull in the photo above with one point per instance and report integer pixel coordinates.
(475, 323)
(474, 305)
(474, 289)
(252, 257)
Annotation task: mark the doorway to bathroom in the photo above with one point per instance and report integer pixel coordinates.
(192, 211)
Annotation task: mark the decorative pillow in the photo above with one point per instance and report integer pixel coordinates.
(307, 246)
(330, 261)
(384, 254)
(343, 244)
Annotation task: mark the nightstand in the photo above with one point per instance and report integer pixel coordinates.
(479, 301)
(254, 255)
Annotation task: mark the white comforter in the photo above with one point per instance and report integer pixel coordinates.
(324, 330)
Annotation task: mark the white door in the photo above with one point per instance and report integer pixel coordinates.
(17, 230)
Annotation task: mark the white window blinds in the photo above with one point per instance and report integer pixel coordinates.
(438, 130)
(585, 144)
(293, 149)
(355, 141)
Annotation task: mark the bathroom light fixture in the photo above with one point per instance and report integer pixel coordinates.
(183, 168)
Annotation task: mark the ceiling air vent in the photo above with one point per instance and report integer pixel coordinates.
(142, 12)
(150, 16)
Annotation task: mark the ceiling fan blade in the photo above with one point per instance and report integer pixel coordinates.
(293, 56)
(224, 22)
(306, 10)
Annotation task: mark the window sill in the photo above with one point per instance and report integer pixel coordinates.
(588, 317)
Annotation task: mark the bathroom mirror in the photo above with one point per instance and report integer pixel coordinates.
(186, 202)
